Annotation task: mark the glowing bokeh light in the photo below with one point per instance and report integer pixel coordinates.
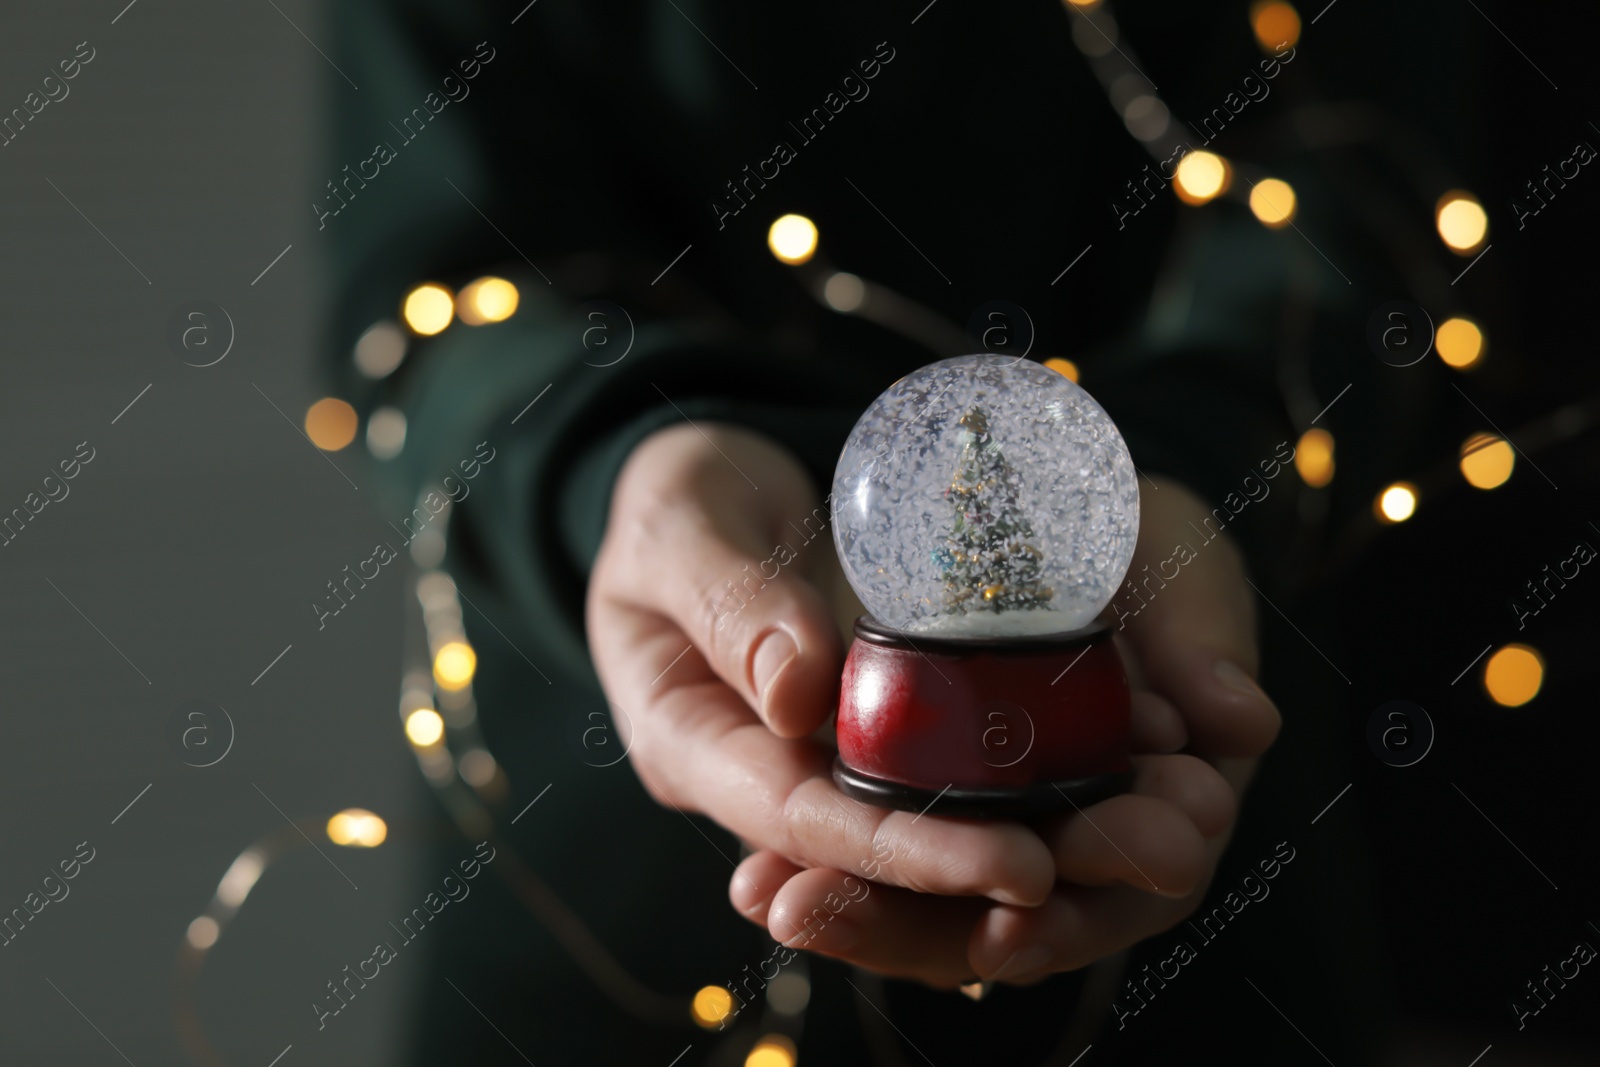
(711, 1005)
(357, 828)
(1461, 220)
(331, 424)
(1459, 342)
(844, 291)
(428, 309)
(386, 432)
(789, 993)
(793, 239)
(477, 767)
(1313, 457)
(1487, 460)
(1275, 24)
(774, 1050)
(1064, 367)
(241, 877)
(1146, 117)
(454, 665)
(424, 727)
(1513, 675)
(203, 932)
(487, 300)
(380, 349)
(1397, 503)
(1201, 177)
(1272, 200)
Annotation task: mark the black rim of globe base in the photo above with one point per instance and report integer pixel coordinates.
(1008, 802)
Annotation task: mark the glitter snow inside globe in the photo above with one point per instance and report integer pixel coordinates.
(985, 509)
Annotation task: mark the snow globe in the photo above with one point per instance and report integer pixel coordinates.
(985, 509)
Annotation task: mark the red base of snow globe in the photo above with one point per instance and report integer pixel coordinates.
(983, 728)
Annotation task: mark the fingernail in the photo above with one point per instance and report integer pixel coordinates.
(1022, 961)
(746, 897)
(1240, 682)
(776, 651)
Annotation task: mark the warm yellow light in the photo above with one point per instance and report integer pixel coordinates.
(1487, 460)
(774, 1050)
(428, 309)
(1459, 342)
(454, 665)
(486, 300)
(203, 932)
(1461, 220)
(711, 1005)
(1513, 675)
(424, 727)
(1313, 457)
(331, 424)
(1397, 503)
(1064, 367)
(1083, 3)
(357, 828)
(1201, 176)
(793, 239)
(1275, 24)
(1272, 201)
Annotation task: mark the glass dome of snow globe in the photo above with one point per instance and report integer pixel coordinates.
(985, 497)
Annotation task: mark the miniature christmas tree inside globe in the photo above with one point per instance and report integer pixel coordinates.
(985, 497)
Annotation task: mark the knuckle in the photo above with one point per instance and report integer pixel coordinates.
(718, 630)
(644, 516)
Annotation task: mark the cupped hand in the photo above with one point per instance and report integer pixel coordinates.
(714, 614)
(1126, 868)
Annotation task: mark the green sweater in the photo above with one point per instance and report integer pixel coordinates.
(635, 153)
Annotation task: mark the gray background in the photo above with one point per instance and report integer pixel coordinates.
(194, 540)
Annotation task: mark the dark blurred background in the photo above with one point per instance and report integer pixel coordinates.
(180, 165)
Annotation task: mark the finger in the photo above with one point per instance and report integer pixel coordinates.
(696, 746)
(756, 881)
(1177, 784)
(1143, 842)
(1156, 726)
(892, 931)
(640, 657)
(1073, 929)
(728, 582)
(1225, 711)
(1193, 786)
(1195, 639)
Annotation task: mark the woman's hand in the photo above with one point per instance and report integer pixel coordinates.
(724, 730)
(722, 660)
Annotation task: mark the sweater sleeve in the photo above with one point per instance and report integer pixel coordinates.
(425, 187)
